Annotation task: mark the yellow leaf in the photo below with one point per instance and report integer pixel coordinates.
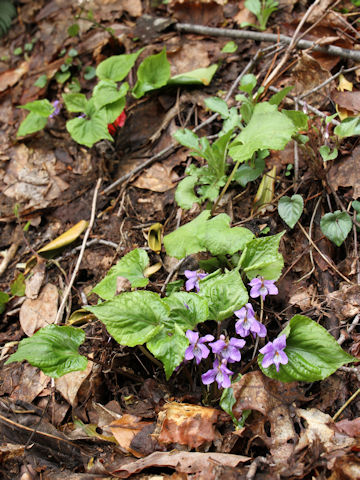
(66, 238)
(265, 193)
(154, 237)
(344, 85)
(152, 269)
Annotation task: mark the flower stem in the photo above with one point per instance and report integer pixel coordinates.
(226, 186)
(260, 320)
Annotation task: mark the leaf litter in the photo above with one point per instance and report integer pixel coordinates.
(51, 178)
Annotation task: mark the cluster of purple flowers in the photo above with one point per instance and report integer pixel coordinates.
(227, 350)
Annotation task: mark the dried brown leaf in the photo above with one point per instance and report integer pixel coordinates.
(345, 302)
(348, 100)
(349, 427)
(344, 173)
(38, 313)
(185, 424)
(68, 385)
(10, 77)
(125, 429)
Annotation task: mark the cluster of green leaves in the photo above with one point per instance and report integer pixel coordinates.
(249, 147)
(17, 289)
(262, 9)
(109, 95)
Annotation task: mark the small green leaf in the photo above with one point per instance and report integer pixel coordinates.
(53, 349)
(75, 102)
(348, 127)
(278, 97)
(299, 119)
(18, 51)
(248, 83)
(356, 206)
(17, 287)
(116, 68)
(73, 52)
(188, 139)
(132, 318)
(224, 293)
(336, 226)
(73, 30)
(227, 401)
(88, 131)
(106, 92)
(41, 107)
(267, 129)
(153, 72)
(113, 110)
(218, 105)
(184, 194)
(313, 353)
(131, 266)
(200, 76)
(4, 298)
(32, 123)
(246, 173)
(290, 209)
(327, 154)
(41, 81)
(61, 77)
(262, 258)
(229, 47)
(169, 347)
(89, 72)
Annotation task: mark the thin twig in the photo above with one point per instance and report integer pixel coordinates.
(171, 273)
(81, 254)
(268, 37)
(302, 103)
(292, 44)
(324, 256)
(349, 329)
(346, 404)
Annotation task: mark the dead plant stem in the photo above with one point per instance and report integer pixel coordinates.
(346, 404)
(81, 254)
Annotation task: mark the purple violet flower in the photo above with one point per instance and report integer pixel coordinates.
(247, 322)
(229, 349)
(197, 349)
(220, 373)
(274, 353)
(56, 104)
(193, 279)
(262, 287)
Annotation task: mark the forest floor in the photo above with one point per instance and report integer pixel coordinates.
(121, 417)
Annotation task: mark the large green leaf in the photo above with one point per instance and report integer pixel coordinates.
(348, 127)
(262, 258)
(75, 102)
(290, 209)
(53, 349)
(117, 67)
(200, 76)
(32, 123)
(313, 353)
(267, 129)
(131, 266)
(224, 293)
(89, 131)
(132, 318)
(42, 107)
(106, 92)
(336, 226)
(201, 234)
(186, 310)
(153, 72)
(246, 173)
(169, 347)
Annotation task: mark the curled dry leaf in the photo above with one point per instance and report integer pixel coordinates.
(187, 462)
(344, 173)
(68, 385)
(10, 77)
(254, 391)
(321, 427)
(345, 302)
(305, 298)
(31, 383)
(38, 313)
(125, 429)
(349, 427)
(35, 280)
(185, 424)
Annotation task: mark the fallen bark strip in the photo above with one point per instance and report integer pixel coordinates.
(268, 37)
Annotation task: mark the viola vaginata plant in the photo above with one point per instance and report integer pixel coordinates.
(98, 116)
(170, 327)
